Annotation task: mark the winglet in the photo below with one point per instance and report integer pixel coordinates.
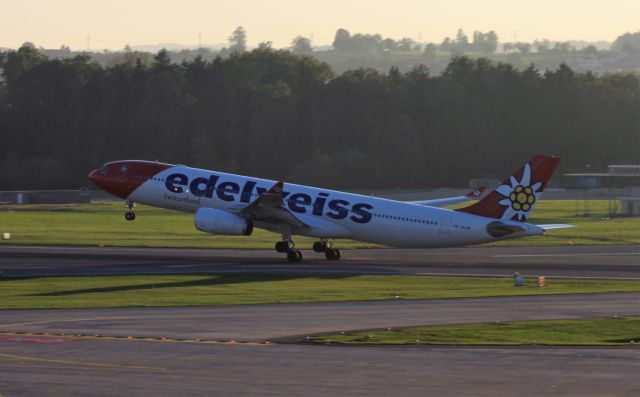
(277, 188)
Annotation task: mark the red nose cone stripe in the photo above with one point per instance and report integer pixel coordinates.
(121, 178)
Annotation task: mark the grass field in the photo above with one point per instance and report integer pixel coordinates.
(183, 290)
(593, 331)
(103, 224)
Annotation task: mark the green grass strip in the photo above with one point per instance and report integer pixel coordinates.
(235, 288)
(585, 332)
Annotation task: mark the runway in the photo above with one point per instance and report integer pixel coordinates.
(54, 365)
(248, 350)
(617, 261)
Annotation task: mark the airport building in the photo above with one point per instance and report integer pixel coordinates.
(621, 185)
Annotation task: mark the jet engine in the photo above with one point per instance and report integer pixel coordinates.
(214, 221)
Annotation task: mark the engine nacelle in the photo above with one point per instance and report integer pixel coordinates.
(211, 220)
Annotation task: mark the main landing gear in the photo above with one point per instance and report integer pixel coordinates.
(130, 215)
(331, 254)
(287, 246)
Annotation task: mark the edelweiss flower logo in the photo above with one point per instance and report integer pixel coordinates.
(519, 195)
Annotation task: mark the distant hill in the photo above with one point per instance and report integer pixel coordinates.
(174, 47)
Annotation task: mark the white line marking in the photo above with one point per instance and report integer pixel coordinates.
(93, 248)
(178, 265)
(66, 321)
(548, 277)
(538, 255)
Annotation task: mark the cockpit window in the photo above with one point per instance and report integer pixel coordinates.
(104, 169)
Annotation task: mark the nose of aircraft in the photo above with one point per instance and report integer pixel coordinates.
(93, 176)
(121, 178)
(101, 179)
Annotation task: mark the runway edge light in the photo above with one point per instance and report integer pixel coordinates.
(6, 236)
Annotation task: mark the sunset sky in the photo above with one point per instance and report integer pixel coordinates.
(111, 24)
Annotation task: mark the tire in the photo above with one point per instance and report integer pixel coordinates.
(319, 246)
(332, 254)
(294, 256)
(129, 216)
(282, 246)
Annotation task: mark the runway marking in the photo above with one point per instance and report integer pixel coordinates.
(527, 275)
(66, 321)
(74, 362)
(179, 266)
(28, 339)
(594, 254)
(135, 249)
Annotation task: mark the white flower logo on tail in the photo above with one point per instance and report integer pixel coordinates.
(520, 196)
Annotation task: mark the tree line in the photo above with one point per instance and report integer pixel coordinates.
(275, 114)
(352, 51)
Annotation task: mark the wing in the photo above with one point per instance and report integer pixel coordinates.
(269, 207)
(441, 202)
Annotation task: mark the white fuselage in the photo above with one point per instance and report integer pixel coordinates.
(329, 213)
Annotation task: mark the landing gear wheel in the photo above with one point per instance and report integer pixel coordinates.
(294, 256)
(319, 246)
(130, 215)
(284, 246)
(332, 254)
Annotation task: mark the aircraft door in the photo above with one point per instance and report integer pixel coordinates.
(444, 225)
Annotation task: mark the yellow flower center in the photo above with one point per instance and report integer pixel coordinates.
(522, 198)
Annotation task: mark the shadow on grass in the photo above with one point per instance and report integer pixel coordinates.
(222, 279)
(625, 340)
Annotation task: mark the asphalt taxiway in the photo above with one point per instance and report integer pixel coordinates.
(221, 350)
(618, 261)
(258, 323)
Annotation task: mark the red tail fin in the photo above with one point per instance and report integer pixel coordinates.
(518, 194)
(475, 194)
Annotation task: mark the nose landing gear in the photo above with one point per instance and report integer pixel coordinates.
(130, 215)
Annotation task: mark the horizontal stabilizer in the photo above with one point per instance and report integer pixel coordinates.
(441, 202)
(552, 226)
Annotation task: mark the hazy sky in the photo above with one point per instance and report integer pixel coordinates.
(114, 23)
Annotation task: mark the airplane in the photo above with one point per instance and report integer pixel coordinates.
(228, 204)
